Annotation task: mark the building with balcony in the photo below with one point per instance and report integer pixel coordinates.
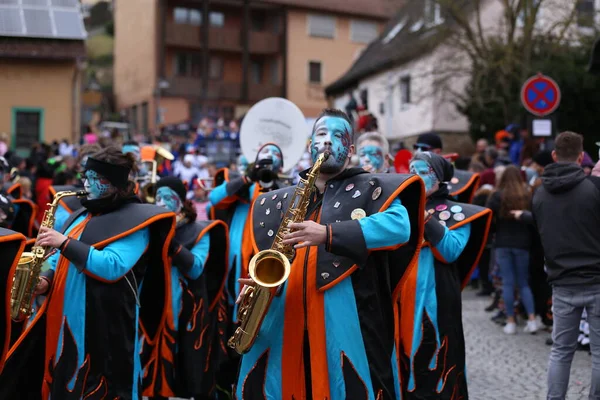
(42, 52)
(180, 61)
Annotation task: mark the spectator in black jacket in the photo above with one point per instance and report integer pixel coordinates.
(513, 244)
(566, 210)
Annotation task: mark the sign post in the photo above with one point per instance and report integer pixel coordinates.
(541, 96)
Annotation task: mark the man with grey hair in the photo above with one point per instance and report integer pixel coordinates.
(373, 152)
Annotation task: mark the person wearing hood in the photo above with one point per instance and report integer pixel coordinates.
(566, 213)
(430, 326)
(105, 280)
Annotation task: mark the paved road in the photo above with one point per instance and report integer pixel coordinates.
(502, 367)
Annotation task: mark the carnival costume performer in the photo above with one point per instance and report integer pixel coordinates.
(430, 317)
(463, 184)
(231, 200)
(70, 204)
(185, 356)
(373, 152)
(11, 246)
(106, 277)
(321, 338)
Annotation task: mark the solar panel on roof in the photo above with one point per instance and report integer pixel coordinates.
(68, 24)
(64, 3)
(56, 19)
(10, 22)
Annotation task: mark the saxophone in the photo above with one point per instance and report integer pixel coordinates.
(271, 268)
(29, 267)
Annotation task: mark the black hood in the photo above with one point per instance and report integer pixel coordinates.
(562, 177)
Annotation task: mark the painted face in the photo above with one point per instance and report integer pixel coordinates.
(167, 198)
(426, 173)
(270, 152)
(242, 164)
(332, 134)
(135, 150)
(371, 158)
(96, 186)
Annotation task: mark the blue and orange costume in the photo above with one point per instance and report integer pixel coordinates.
(430, 320)
(183, 359)
(107, 278)
(330, 332)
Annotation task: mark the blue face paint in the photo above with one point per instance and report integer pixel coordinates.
(371, 156)
(426, 173)
(95, 185)
(271, 152)
(332, 134)
(167, 198)
(242, 163)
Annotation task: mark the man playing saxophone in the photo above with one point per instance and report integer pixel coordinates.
(329, 330)
(83, 342)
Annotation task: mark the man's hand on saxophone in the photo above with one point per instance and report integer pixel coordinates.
(305, 234)
(50, 238)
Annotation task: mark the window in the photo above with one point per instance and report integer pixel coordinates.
(585, 13)
(216, 18)
(188, 64)
(404, 91)
(363, 31)
(275, 72)
(256, 69)
(314, 72)
(321, 26)
(188, 16)
(433, 13)
(215, 69)
(258, 21)
(28, 127)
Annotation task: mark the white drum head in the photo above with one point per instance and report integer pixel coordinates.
(275, 120)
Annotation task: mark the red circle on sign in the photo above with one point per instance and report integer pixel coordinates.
(540, 95)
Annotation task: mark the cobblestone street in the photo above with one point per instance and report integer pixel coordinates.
(502, 367)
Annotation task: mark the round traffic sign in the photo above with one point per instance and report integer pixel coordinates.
(540, 95)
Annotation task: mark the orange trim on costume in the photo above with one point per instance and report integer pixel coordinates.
(34, 209)
(55, 308)
(11, 273)
(474, 177)
(210, 226)
(14, 188)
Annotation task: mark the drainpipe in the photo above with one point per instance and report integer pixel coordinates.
(80, 65)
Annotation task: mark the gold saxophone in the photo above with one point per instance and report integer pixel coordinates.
(271, 268)
(29, 268)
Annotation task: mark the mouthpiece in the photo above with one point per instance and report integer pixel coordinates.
(326, 155)
(81, 193)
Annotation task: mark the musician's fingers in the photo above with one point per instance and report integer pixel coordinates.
(306, 243)
(298, 225)
(241, 295)
(293, 240)
(247, 282)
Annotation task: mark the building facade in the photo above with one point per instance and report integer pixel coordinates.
(41, 61)
(179, 61)
(402, 79)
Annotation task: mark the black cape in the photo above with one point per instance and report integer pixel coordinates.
(24, 373)
(187, 365)
(463, 185)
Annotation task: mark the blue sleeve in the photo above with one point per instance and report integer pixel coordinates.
(388, 228)
(454, 242)
(200, 252)
(51, 262)
(218, 194)
(115, 260)
(60, 217)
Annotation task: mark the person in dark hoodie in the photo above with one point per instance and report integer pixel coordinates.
(565, 210)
